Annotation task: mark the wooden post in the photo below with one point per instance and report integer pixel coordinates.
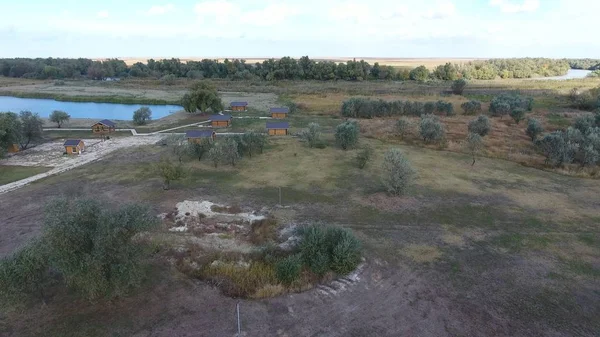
(280, 197)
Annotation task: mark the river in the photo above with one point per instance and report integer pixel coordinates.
(571, 74)
(82, 109)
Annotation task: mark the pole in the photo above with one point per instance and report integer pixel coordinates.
(238, 320)
(280, 197)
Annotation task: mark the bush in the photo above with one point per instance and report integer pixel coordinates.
(557, 149)
(24, 274)
(444, 107)
(471, 107)
(312, 135)
(230, 152)
(518, 115)
(398, 174)
(480, 125)
(429, 107)
(420, 73)
(168, 79)
(504, 104)
(501, 109)
(363, 156)
(403, 126)
(346, 253)
(288, 269)
(142, 115)
(431, 129)
(199, 149)
(458, 86)
(584, 122)
(474, 145)
(216, 154)
(534, 128)
(169, 172)
(346, 134)
(313, 249)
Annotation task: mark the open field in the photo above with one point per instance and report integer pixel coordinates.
(496, 250)
(8, 174)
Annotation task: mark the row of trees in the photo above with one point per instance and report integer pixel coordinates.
(587, 64)
(357, 107)
(286, 68)
(23, 129)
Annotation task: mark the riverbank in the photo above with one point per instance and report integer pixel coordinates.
(90, 99)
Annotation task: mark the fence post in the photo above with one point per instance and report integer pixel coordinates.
(280, 196)
(239, 326)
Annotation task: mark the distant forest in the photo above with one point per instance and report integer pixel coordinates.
(285, 68)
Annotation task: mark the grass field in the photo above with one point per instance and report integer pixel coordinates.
(8, 174)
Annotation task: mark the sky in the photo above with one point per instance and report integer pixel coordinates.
(318, 28)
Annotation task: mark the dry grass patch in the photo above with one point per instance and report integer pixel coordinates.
(421, 253)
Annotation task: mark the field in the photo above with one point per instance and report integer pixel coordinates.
(507, 247)
(8, 174)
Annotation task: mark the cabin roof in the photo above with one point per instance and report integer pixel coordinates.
(107, 122)
(278, 125)
(72, 142)
(199, 133)
(220, 117)
(280, 110)
(239, 103)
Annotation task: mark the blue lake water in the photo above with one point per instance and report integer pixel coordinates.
(82, 109)
(571, 74)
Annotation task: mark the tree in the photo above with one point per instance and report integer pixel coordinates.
(31, 130)
(142, 115)
(59, 117)
(501, 109)
(534, 128)
(169, 172)
(398, 174)
(458, 86)
(518, 115)
(431, 129)
(216, 154)
(202, 96)
(363, 156)
(403, 126)
(24, 273)
(557, 149)
(420, 73)
(474, 145)
(584, 122)
(444, 107)
(199, 149)
(346, 134)
(177, 144)
(93, 246)
(471, 107)
(10, 130)
(312, 135)
(480, 125)
(230, 151)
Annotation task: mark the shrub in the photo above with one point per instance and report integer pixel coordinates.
(363, 156)
(504, 104)
(168, 79)
(480, 125)
(534, 128)
(312, 135)
(474, 145)
(142, 115)
(557, 149)
(517, 114)
(444, 107)
(346, 134)
(458, 86)
(403, 126)
(313, 249)
(169, 172)
(24, 273)
(471, 107)
(325, 248)
(216, 154)
(199, 149)
(346, 253)
(584, 122)
(431, 129)
(429, 107)
(230, 151)
(420, 73)
(398, 174)
(288, 269)
(501, 109)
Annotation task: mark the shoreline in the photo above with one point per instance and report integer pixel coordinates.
(90, 99)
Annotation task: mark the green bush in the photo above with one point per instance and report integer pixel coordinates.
(398, 174)
(346, 134)
(534, 128)
(403, 126)
(504, 104)
(420, 73)
(346, 253)
(142, 115)
(458, 86)
(357, 107)
(444, 107)
(517, 114)
(431, 129)
(312, 135)
(24, 274)
(584, 122)
(471, 107)
(429, 107)
(480, 125)
(288, 270)
(363, 156)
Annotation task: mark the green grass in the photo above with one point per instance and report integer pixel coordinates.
(583, 268)
(558, 120)
(8, 174)
(95, 99)
(54, 135)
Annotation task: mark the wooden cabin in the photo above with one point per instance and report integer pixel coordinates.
(279, 112)
(196, 136)
(239, 106)
(220, 121)
(104, 126)
(14, 148)
(74, 146)
(278, 128)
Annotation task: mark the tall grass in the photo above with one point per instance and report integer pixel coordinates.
(93, 99)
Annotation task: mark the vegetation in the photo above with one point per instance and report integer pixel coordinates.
(403, 126)
(366, 108)
(90, 245)
(169, 172)
(346, 134)
(363, 156)
(325, 248)
(216, 153)
(59, 117)
(458, 86)
(587, 64)
(31, 128)
(502, 105)
(517, 114)
(398, 174)
(201, 97)
(420, 74)
(579, 143)
(431, 128)
(199, 149)
(10, 131)
(534, 128)
(474, 145)
(288, 269)
(312, 135)
(142, 115)
(480, 125)
(471, 107)
(230, 151)
(177, 145)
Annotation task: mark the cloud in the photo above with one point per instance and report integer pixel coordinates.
(510, 7)
(442, 10)
(102, 14)
(160, 10)
(271, 15)
(222, 11)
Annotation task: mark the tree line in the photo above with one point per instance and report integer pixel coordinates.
(587, 64)
(286, 68)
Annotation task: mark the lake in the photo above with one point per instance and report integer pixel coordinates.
(82, 109)
(571, 74)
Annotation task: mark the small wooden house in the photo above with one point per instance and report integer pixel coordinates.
(196, 136)
(220, 121)
(239, 106)
(14, 148)
(278, 128)
(74, 146)
(279, 112)
(104, 126)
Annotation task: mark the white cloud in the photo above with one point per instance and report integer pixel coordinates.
(441, 10)
(102, 14)
(222, 11)
(510, 7)
(160, 10)
(270, 15)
